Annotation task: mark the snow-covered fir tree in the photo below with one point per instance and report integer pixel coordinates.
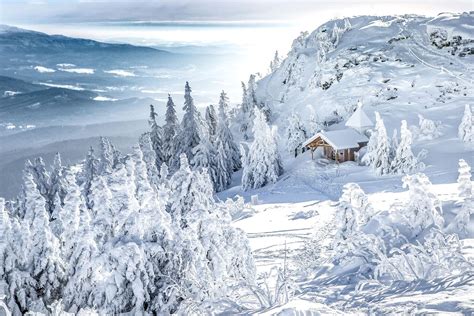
(427, 129)
(170, 130)
(211, 120)
(205, 157)
(378, 148)
(262, 164)
(156, 137)
(354, 211)
(405, 161)
(466, 127)
(295, 134)
(106, 155)
(464, 180)
(45, 265)
(57, 186)
(224, 134)
(149, 156)
(275, 63)
(423, 209)
(190, 132)
(88, 174)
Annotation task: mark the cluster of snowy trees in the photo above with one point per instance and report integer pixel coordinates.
(119, 235)
(207, 142)
(427, 129)
(408, 242)
(395, 156)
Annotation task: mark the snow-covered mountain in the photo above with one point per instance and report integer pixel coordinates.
(410, 63)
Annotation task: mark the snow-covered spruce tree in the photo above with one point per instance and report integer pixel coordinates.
(211, 120)
(170, 130)
(103, 220)
(70, 214)
(423, 209)
(393, 145)
(20, 287)
(225, 135)
(262, 164)
(156, 137)
(405, 161)
(354, 211)
(466, 127)
(190, 131)
(149, 156)
(205, 157)
(378, 148)
(275, 63)
(106, 155)
(45, 265)
(295, 134)
(464, 180)
(428, 129)
(57, 184)
(88, 174)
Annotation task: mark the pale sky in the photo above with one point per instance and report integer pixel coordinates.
(64, 11)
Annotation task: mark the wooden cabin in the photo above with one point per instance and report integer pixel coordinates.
(342, 145)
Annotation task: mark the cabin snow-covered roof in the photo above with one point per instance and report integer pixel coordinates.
(359, 119)
(340, 139)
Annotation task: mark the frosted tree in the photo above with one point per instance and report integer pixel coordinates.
(314, 125)
(149, 157)
(246, 113)
(466, 128)
(354, 211)
(224, 134)
(190, 134)
(423, 209)
(88, 174)
(378, 148)
(156, 137)
(124, 203)
(405, 161)
(295, 134)
(170, 130)
(275, 63)
(464, 180)
(427, 129)
(46, 266)
(103, 217)
(211, 120)
(205, 158)
(263, 163)
(393, 144)
(71, 213)
(106, 155)
(57, 185)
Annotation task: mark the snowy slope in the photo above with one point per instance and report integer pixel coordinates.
(395, 66)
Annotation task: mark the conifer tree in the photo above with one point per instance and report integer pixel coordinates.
(224, 134)
(190, 133)
(156, 137)
(405, 161)
(466, 127)
(205, 158)
(295, 133)
(378, 148)
(464, 180)
(275, 63)
(107, 156)
(88, 174)
(57, 185)
(149, 157)
(170, 130)
(46, 266)
(263, 163)
(211, 120)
